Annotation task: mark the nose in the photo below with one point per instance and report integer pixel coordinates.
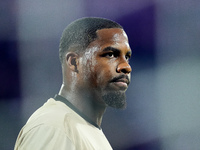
(124, 68)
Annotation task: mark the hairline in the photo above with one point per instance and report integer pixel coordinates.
(80, 49)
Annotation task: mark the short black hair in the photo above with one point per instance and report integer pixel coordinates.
(82, 32)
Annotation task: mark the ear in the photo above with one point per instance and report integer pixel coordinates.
(71, 61)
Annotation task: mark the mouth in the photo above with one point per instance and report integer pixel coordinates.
(122, 82)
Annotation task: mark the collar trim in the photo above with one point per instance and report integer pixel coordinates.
(65, 101)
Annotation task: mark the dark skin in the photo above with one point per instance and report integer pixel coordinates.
(103, 67)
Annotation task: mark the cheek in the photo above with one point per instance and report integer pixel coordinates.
(89, 72)
(87, 66)
(104, 73)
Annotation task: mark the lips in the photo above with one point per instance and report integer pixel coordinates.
(121, 81)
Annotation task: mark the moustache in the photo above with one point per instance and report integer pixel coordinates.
(123, 78)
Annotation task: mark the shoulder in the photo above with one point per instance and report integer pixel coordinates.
(52, 113)
(43, 137)
(46, 126)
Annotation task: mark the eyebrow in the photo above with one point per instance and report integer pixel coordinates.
(114, 50)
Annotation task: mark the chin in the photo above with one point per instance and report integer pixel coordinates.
(116, 99)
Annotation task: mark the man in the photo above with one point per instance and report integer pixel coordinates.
(94, 54)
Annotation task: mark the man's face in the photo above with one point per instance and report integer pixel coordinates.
(104, 67)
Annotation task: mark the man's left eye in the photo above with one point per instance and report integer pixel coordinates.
(127, 57)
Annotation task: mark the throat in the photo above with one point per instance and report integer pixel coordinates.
(90, 112)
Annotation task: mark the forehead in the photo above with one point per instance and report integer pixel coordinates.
(114, 37)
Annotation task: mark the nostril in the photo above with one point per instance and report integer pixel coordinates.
(124, 71)
(124, 68)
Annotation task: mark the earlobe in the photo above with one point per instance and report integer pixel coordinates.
(71, 61)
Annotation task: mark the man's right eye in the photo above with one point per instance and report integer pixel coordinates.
(110, 55)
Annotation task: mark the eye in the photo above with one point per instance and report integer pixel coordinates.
(127, 57)
(109, 55)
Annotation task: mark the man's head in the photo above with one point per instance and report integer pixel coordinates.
(81, 33)
(96, 53)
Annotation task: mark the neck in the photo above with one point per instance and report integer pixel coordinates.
(85, 103)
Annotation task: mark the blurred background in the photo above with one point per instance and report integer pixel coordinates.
(163, 111)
